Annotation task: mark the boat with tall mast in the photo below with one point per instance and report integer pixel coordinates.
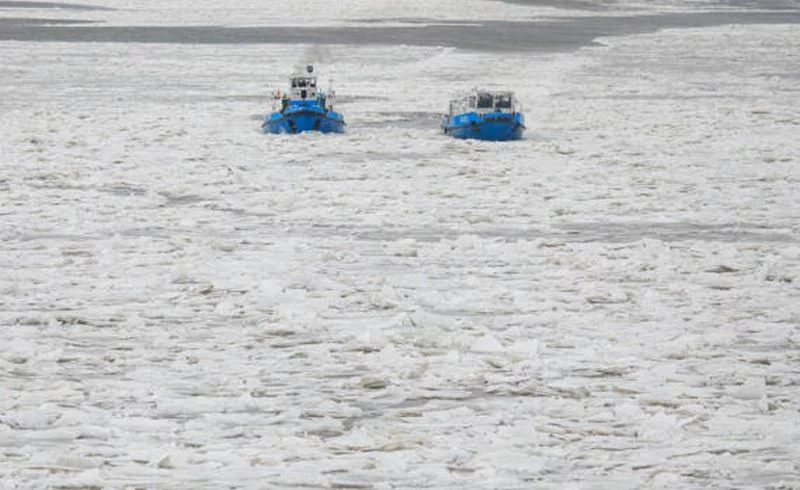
(304, 108)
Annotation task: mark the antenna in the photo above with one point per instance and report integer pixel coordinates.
(331, 94)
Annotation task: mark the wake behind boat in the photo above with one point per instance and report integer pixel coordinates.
(304, 108)
(485, 115)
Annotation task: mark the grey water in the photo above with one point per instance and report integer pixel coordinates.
(563, 34)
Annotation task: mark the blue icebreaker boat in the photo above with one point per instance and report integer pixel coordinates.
(304, 108)
(485, 115)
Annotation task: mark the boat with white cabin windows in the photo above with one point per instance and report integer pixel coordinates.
(304, 108)
(485, 115)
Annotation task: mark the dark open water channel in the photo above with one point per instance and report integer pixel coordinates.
(546, 35)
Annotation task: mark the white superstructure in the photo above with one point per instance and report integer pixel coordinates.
(483, 101)
(304, 85)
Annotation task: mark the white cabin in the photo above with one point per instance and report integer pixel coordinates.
(304, 86)
(485, 101)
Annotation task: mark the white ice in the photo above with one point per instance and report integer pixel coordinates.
(610, 303)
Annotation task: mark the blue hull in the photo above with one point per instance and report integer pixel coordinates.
(490, 127)
(299, 119)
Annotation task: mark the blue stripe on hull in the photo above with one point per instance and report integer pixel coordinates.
(492, 127)
(298, 121)
(488, 131)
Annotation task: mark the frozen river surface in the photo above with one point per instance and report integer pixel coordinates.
(611, 303)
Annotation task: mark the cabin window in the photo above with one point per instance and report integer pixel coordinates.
(503, 102)
(485, 101)
(472, 102)
(294, 83)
